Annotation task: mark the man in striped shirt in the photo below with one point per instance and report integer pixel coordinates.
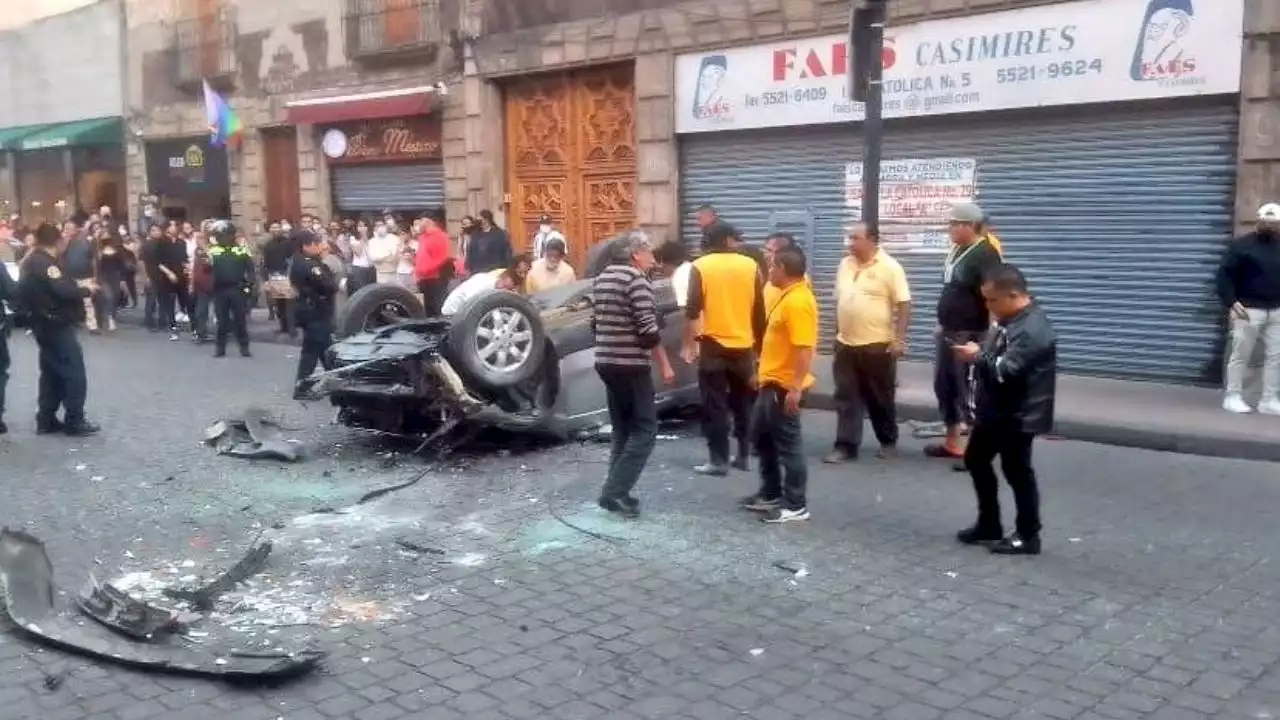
(628, 334)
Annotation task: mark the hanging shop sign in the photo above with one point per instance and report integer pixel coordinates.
(916, 196)
(1090, 51)
(395, 140)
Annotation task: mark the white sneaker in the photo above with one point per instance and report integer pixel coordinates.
(1236, 404)
(1269, 407)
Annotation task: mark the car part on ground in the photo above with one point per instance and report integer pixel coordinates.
(115, 609)
(203, 598)
(253, 436)
(26, 576)
(377, 306)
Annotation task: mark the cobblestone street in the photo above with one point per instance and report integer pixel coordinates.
(1156, 596)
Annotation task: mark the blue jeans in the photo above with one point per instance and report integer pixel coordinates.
(783, 472)
(200, 318)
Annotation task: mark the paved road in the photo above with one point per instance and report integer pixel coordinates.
(1156, 596)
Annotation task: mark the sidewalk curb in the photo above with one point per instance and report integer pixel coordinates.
(1085, 429)
(1105, 433)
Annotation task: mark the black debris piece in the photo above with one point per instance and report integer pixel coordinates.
(128, 616)
(254, 436)
(203, 598)
(26, 576)
(415, 547)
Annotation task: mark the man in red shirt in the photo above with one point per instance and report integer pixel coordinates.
(433, 268)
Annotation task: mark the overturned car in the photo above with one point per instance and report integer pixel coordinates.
(504, 360)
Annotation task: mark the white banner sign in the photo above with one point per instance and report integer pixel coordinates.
(916, 196)
(1091, 51)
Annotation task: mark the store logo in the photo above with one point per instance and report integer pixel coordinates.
(1162, 51)
(195, 157)
(708, 98)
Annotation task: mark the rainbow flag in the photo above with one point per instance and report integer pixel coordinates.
(225, 126)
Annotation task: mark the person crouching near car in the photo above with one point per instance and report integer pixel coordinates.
(628, 337)
(511, 279)
(551, 270)
(1016, 370)
(786, 356)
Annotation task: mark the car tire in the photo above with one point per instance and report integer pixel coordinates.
(371, 299)
(467, 342)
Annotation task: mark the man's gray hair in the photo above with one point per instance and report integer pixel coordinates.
(637, 241)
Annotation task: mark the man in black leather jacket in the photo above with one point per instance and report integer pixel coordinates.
(1016, 371)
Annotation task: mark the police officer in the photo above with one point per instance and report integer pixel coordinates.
(232, 283)
(317, 287)
(54, 306)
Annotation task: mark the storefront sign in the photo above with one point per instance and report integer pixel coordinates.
(1091, 51)
(400, 139)
(916, 196)
(186, 166)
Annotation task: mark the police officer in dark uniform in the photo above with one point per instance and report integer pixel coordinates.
(232, 283)
(317, 287)
(54, 305)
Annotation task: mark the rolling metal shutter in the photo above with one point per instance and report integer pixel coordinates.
(374, 188)
(1118, 216)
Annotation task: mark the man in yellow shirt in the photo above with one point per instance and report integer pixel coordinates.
(725, 313)
(786, 356)
(873, 312)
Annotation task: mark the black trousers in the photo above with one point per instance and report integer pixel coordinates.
(172, 298)
(783, 471)
(284, 312)
(1014, 449)
(725, 381)
(317, 336)
(629, 393)
(62, 379)
(358, 277)
(866, 380)
(4, 366)
(433, 294)
(952, 379)
(231, 308)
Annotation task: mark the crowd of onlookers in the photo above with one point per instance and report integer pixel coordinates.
(166, 269)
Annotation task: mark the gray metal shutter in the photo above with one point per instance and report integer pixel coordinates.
(373, 188)
(1118, 216)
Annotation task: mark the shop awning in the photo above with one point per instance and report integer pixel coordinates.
(365, 106)
(78, 133)
(9, 137)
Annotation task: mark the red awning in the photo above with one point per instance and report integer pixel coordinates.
(364, 106)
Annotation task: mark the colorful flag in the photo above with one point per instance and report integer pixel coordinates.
(224, 125)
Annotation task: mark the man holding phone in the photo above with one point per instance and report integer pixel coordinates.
(962, 318)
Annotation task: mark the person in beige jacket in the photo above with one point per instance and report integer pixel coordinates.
(384, 253)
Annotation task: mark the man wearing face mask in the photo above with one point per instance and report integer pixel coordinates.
(384, 253)
(1249, 287)
(546, 234)
(276, 254)
(550, 270)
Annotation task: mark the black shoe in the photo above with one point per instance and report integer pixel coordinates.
(244, 352)
(51, 427)
(713, 469)
(978, 535)
(4, 429)
(1015, 544)
(627, 507)
(84, 428)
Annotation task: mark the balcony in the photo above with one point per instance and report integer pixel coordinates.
(204, 48)
(397, 30)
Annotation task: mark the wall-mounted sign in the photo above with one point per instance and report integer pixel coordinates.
(185, 166)
(395, 140)
(1071, 53)
(916, 196)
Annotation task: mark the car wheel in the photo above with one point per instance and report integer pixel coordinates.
(497, 340)
(377, 306)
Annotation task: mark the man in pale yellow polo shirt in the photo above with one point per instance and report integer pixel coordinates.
(873, 312)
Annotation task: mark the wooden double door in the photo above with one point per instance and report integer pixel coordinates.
(280, 168)
(571, 155)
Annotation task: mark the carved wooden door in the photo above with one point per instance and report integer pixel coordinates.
(571, 155)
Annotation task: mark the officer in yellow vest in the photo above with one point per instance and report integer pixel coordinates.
(726, 316)
(232, 282)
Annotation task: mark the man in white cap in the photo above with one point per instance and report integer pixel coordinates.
(1249, 287)
(962, 319)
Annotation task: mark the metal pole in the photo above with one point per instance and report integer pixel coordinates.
(873, 125)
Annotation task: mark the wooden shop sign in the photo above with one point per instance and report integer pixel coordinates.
(372, 141)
